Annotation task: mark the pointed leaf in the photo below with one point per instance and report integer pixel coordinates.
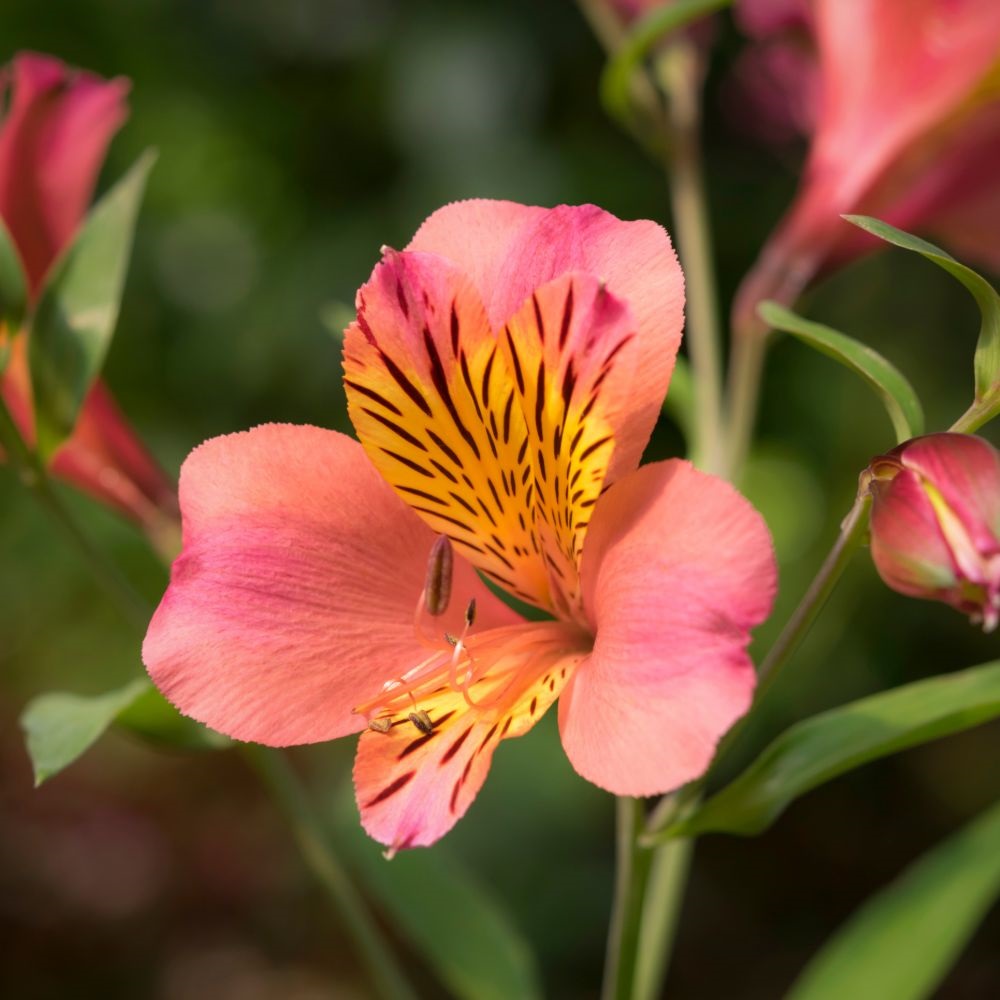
(889, 383)
(902, 942)
(821, 748)
(59, 727)
(78, 308)
(464, 934)
(987, 361)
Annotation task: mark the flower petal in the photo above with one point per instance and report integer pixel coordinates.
(414, 782)
(52, 145)
(677, 569)
(509, 250)
(907, 544)
(293, 599)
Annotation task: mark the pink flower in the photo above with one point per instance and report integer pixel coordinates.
(935, 529)
(907, 129)
(504, 374)
(52, 143)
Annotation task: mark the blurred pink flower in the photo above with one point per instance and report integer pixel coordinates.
(904, 102)
(52, 143)
(504, 374)
(935, 528)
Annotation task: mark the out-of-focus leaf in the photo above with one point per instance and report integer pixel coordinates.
(464, 934)
(13, 292)
(645, 33)
(59, 727)
(890, 385)
(336, 317)
(902, 942)
(987, 360)
(825, 746)
(78, 308)
(153, 718)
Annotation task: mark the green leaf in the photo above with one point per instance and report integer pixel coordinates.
(59, 727)
(645, 33)
(153, 718)
(987, 360)
(890, 385)
(78, 308)
(902, 942)
(13, 287)
(465, 936)
(821, 748)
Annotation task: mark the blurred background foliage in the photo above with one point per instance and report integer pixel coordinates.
(295, 139)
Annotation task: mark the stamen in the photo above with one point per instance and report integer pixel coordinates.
(437, 589)
(382, 725)
(422, 721)
(470, 614)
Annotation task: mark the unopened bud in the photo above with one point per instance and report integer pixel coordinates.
(935, 526)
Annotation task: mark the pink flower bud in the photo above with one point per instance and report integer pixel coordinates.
(935, 526)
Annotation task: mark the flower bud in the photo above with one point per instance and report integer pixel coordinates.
(935, 525)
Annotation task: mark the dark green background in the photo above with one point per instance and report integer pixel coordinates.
(295, 139)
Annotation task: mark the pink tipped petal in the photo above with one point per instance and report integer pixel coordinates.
(677, 569)
(52, 145)
(293, 600)
(907, 544)
(966, 472)
(510, 250)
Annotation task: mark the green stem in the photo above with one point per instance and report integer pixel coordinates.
(982, 411)
(679, 73)
(661, 912)
(746, 366)
(34, 475)
(631, 872)
(852, 533)
(313, 842)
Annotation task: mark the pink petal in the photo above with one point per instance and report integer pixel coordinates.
(677, 569)
(293, 599)
(907, 544)
(509, 250)
(966, 472)
(52, 145)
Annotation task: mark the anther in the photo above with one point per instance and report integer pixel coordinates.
(422, 721)
(437, 589)
(382, 725)
(470, 614)
(452, 640)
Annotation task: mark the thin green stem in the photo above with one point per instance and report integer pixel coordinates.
(678, 70)
(313, 842)
(34, 475)
(631, 872)
(981, 412)
(660, 917)
(746, 366)
(852, 533)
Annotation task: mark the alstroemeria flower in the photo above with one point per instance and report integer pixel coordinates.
(52, 143)
(907, 129)
(935, 528)
(503, 375)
